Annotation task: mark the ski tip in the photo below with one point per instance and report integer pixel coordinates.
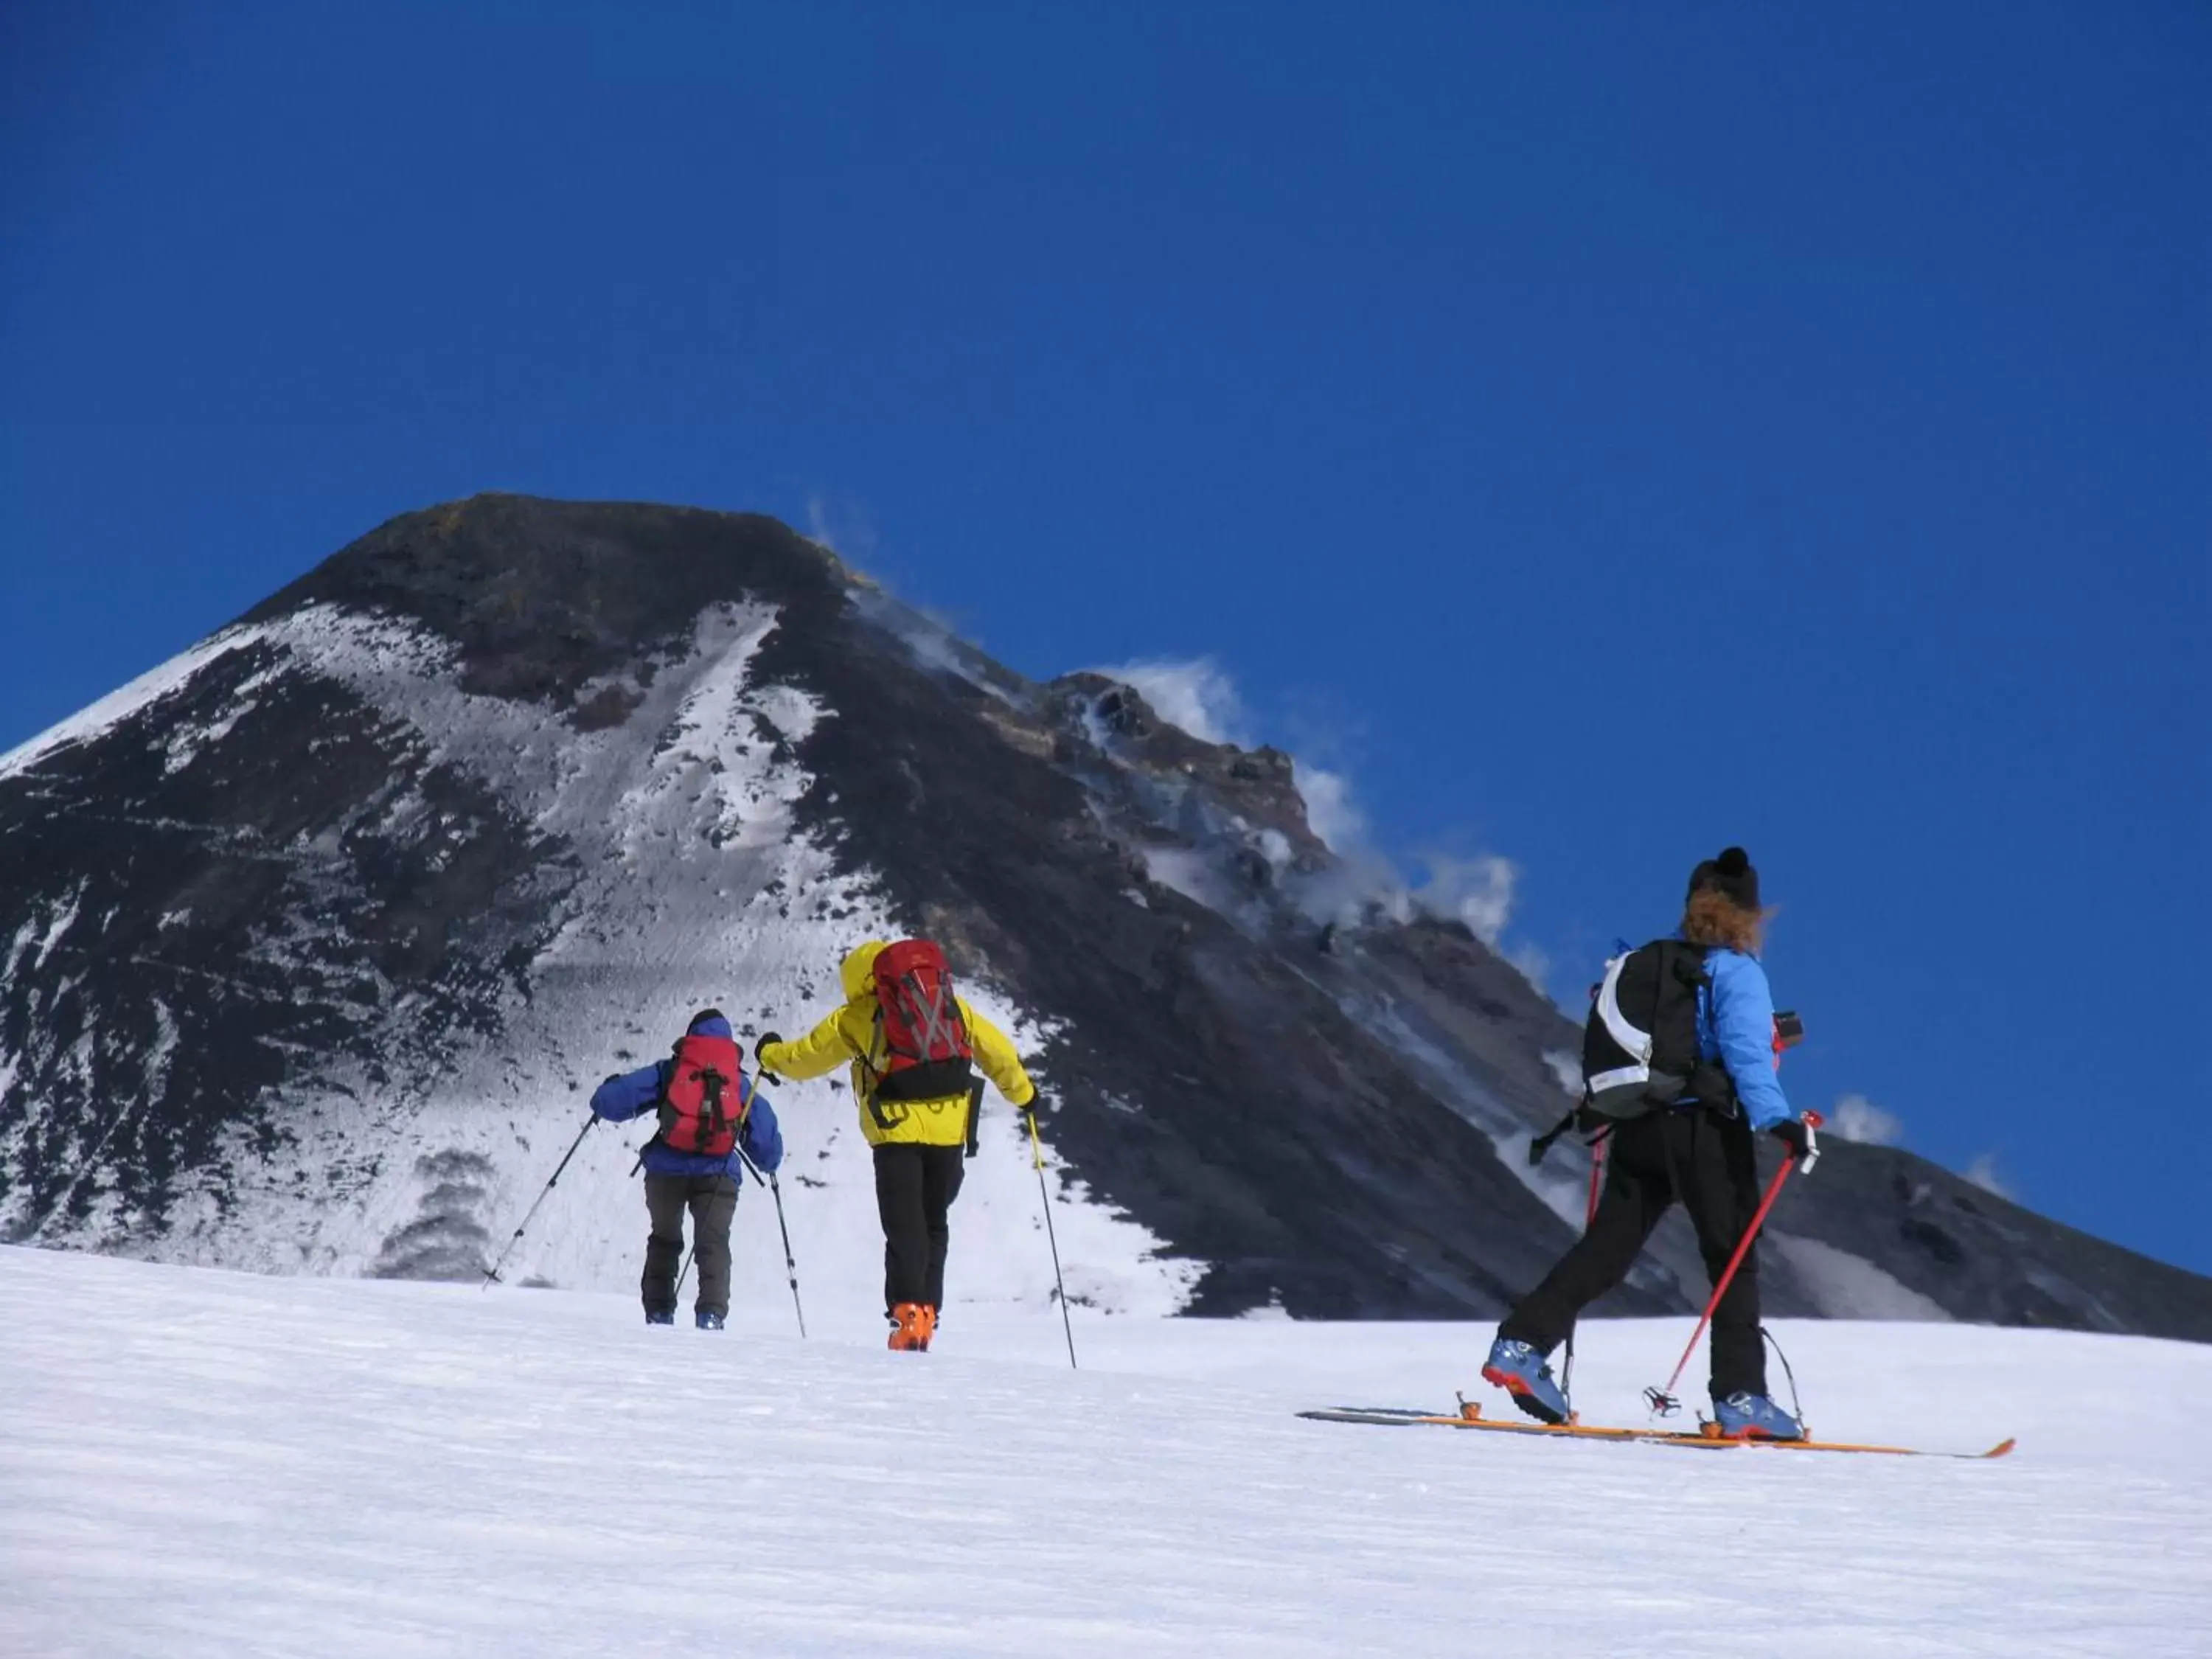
(2000, 1448)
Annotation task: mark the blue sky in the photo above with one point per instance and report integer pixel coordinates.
(1600, 433)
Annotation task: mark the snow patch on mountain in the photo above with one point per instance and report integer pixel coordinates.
(121, 704)
(412, 676)
(106, 1209)
(188, 742)
(60, 920)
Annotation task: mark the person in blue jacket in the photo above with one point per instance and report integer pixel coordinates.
(706, 1183)
(1700, 1152)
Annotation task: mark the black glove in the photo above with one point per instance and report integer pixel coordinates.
(1793, 1135)
(760, 1064)
(1592, 1127)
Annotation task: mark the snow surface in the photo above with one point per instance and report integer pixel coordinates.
(203, 1463)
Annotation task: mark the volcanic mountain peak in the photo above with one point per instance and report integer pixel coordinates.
(321, 934)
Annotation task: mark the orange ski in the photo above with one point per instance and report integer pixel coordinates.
(1469, 1416)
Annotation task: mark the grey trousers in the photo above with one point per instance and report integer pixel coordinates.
(713, 1201)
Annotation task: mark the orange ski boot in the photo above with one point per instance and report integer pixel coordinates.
(911, 1332)
(928, 1325)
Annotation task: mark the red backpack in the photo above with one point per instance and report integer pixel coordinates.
(925, 1040)
(703, 1103)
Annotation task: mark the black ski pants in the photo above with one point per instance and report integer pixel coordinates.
(916, 1185)
(712, 1201)
(1707, 1162)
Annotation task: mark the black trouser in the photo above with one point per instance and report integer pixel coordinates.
(916, 1185)
(712, 1199)
(1705, 1161)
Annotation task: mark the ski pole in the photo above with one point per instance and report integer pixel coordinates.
(1663, 1401)
(1598, 1150)
(1036, 1151)
(491, 1273)
(775, 1191)
(686, 1273)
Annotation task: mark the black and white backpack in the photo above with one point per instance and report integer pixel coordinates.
(1640, 1046)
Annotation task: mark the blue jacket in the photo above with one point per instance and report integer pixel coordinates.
(1736, 1026)
(634, 1093)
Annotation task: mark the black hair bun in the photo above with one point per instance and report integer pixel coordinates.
(1733, 861)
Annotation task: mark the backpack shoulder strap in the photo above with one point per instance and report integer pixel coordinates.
(667, 1068)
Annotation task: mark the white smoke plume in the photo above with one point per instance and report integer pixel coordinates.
(1478, 891)
(1198, 694)
(1982, 1172)
(1194, 693)
(1857, 1118)
(1330, 810)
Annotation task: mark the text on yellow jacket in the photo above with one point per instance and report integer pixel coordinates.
(852, 1034)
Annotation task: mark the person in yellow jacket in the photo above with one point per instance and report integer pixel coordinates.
(920, 1145)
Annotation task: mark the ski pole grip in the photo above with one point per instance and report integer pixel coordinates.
(1812, 1122)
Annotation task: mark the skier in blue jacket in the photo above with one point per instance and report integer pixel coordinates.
(695, 1160)
(1699, 1152)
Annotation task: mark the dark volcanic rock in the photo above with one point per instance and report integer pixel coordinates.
(291, 900)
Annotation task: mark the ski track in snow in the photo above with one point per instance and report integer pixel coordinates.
(201, 1465)
(696, 888)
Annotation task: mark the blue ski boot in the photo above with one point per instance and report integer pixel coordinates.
(659, 1316)
(710, 1321)
(1746, 1416)
(1519, 1369)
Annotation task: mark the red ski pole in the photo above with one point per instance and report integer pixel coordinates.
(1663, 1401)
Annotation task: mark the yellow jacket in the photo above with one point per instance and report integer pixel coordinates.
(852, 1034)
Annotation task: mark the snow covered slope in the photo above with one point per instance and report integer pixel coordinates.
(203, 1465)
(313, 942)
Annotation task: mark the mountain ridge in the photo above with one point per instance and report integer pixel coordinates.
(503, 756)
